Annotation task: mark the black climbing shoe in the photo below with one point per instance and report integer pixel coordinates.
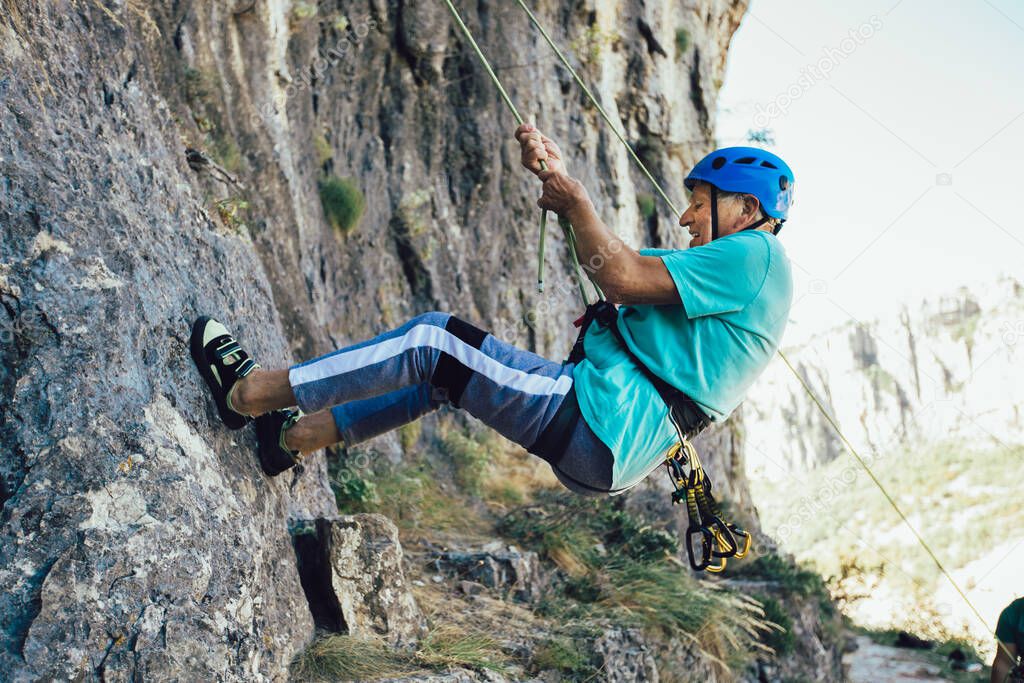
(275, 457)
(221, 362)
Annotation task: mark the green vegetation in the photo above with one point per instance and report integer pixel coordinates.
(198, 85)
(921, 481)
(780, 639)
(645, 202)
(324, 152)
(568, 656)
(471, 458)
(787, 575)
(343, 203)
(200, 88)
(411, 494)
(231, 212)
(682, 41)
(960, 496)
(591, 43)
(344, 657)
(303, 10)
(619, 568)
(409, 435)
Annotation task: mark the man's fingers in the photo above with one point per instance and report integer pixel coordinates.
(524, 129)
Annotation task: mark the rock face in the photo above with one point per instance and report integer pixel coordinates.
(625, 657)
(352, 574)
(944, 370)
(159, 161)
(515, 573)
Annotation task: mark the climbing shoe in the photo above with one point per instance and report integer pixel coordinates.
(222, 362)
(275, 456)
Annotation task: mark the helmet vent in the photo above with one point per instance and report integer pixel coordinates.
(746, 160)
(718, 163)
(768, 164)
(783, 182)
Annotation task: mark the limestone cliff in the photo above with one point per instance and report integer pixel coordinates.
(944, 369)
(164, 160)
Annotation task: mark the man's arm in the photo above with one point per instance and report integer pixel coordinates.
(625, 276)
(1004, 662)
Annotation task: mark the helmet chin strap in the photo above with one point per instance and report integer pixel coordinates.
(714, 213)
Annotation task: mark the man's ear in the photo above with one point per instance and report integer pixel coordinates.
(751, 205)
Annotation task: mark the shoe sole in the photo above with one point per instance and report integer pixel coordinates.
(230, 418)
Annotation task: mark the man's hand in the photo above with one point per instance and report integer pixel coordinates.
(536, 148)
(562, 194)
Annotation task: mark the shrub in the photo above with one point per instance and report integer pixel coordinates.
(645, 202)
(682, 41)
(343, 203)
(619, 569)
(564, 655)
(470, 458)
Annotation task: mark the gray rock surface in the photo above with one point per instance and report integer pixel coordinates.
(516, 574)
(368, 579)
(625, 657)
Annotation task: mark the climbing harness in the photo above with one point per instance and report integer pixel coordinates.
(718, 538)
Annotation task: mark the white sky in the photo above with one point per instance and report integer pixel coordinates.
(937, 88)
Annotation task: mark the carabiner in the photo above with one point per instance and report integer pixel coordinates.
(706, 544)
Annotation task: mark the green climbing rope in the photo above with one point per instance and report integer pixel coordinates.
(566, 227)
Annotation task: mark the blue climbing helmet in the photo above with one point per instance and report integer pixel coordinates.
(749, 170)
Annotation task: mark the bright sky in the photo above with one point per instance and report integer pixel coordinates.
(908, 155)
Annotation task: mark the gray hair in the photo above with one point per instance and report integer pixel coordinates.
(737, 197)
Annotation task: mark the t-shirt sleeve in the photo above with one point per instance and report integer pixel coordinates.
(655, 252)
(720, 277)
(1006, 629)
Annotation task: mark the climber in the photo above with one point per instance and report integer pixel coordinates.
(1006, 667)
(706, 319)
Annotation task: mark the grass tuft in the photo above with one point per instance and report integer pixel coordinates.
(342, 657)
(620, 569)
(343, 203)
(345, 657)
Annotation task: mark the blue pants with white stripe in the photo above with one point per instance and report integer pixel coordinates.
(436, 358)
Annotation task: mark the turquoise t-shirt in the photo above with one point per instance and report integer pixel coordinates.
(736, 293)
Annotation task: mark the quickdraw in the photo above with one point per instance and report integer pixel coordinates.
(719, 539)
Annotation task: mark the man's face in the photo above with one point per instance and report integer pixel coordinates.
(697, 217)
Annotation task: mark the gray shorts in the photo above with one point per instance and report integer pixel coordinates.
(435, 358)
